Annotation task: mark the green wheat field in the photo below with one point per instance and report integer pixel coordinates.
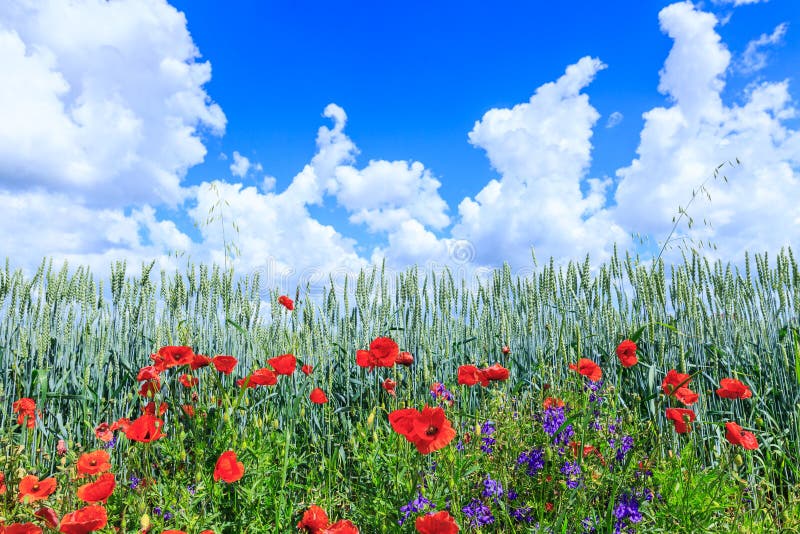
(547, 449)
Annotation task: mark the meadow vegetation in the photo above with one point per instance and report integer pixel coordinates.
(415, 402)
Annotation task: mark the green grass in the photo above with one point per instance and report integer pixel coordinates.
(74, 344)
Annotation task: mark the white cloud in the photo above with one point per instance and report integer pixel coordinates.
(754, 58)
(680, 146)
(277, 235)
(101, 100)
(542, 151)
(106, 115)
(241, 165)
(387, 193)
(737, 3)
(35, 224)
(268, 184)
(614, 119)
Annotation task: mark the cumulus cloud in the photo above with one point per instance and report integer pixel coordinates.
(102, 101)
(737, 3)
(276, 234)
(614, 119)
(754, 57)
(240, 165)
(397, 199)
(542, 150)
(104, 105)
(680, 145)
(35, 224)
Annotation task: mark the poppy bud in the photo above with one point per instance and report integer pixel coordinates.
(144, 522)
(738, 459)
(302, 411)
(371, 418)
(275, 424)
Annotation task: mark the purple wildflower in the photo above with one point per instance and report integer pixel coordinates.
(492, 488)
(417, 505)
(534, 459)
(573, 472)
(478, 513)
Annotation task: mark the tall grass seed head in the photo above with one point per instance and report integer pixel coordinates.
(371, 418)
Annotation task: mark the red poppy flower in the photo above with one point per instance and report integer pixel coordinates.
(341, 527)
(120, 424)
(150, 388)
(626, 352)
(20, 528)
(681, 417)
(189, 381)
(429, 430)
(469, 375)
(103, 432)
(150, 408)
(85, 520)
(307, 369)
(587, 450)
(404, 358)
(439, 523)
(260, 377)
(48, 515)
(198, 361)
(402, 421)
(145, 429)
(389, 385)
(734, 434)
(227, 468)
(286, 302)
(675, 384)
(383, 352)
(318, 396)
(188, 409)
(3, 487)
(92, 463)
(224, 364)
(285, 364)
(496, 372)
(733, 389)
(588, 368)
(26, 408)
(31, 489)
(552, 401)
(99, 490)
(506, 349)
(171, 356)
(148, 372)
(314, 520)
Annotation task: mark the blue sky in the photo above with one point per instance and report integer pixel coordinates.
(128, 126)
